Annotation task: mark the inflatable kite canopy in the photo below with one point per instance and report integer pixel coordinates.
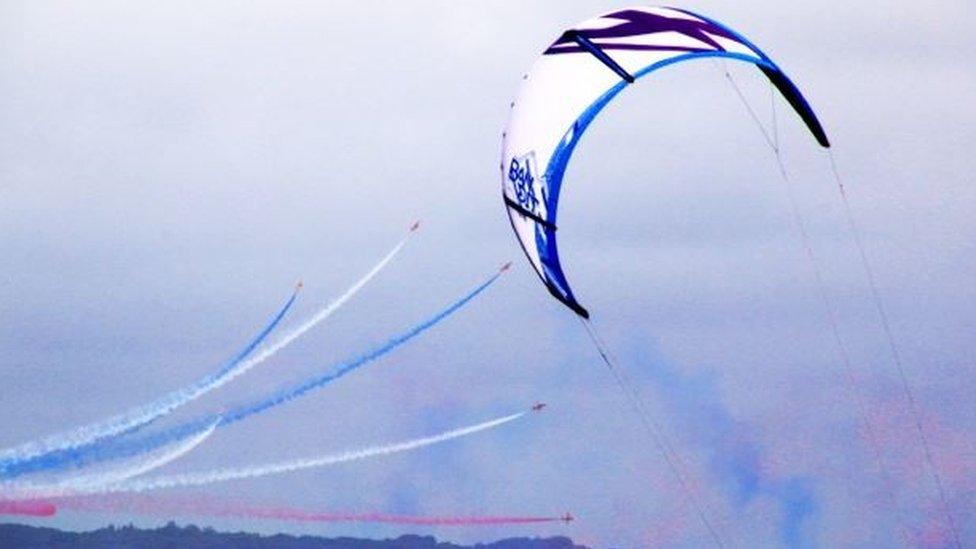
(572, 81)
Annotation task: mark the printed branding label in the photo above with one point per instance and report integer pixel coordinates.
(522, 176)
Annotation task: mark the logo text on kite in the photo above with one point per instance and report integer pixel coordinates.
(520, 174)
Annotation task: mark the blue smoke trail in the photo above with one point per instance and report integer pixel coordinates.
(116, 449)
(284, 396)
(254, 342)
(136, 418)
(734, 455)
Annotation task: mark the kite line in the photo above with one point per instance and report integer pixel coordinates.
(907, 390)
(799, 226)
(906, 385)
(652, 426)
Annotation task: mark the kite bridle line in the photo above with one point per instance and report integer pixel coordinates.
(799, 225)
(854, 231)
(906, 386)
(652, 426)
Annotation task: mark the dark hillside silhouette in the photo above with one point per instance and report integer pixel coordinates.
(172, 536)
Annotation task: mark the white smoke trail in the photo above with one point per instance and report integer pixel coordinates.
(93, 482)
(221, 475)
(144, 414)
(324, 313)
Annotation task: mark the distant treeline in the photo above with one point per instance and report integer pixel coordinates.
(172, 536)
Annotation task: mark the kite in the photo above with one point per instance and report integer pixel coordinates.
(573, 80)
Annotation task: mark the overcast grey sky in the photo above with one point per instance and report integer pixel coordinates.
(168, 170)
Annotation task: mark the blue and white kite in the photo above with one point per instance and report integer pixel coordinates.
(578, 75)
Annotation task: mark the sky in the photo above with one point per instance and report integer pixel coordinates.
(169, 170)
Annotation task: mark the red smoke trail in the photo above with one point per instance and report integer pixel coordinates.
(28, 508)
(305, 516)
(198, 506)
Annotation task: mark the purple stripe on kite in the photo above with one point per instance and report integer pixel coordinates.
(635, 23)
(632, 47)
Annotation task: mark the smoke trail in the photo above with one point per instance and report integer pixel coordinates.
(28, 508)
(86, 483)
(221, 475)
(735, 456)
(116, 449)
(141, 415)
(200, 506)
(319, 316)
(238, 366)
(305, 516)
(294, 392)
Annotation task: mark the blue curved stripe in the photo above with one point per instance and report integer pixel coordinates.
(545, 239)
